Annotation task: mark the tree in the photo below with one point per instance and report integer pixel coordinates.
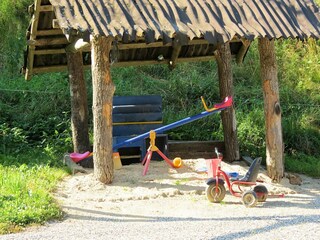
(79, 103)
(103, 90)
(223, 57)
(272, 110)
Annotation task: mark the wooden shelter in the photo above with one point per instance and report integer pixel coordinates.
(71, 34)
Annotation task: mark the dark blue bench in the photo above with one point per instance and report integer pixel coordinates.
(132, 116)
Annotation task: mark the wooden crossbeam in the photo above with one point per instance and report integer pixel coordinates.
(47, 41)
(46, 8)
(125, 46)
(63, 68)
(49, 51)
(49, 32)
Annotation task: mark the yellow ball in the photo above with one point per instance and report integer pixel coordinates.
(177, 162)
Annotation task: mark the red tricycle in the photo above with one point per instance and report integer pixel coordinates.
(216, 190)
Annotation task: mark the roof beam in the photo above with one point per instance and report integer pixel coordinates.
(63, 68)
(80, 45)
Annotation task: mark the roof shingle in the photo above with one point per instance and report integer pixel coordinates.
(215, 20)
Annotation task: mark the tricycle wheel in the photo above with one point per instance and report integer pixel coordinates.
(249, 199)
(215, 194)
(262, 192)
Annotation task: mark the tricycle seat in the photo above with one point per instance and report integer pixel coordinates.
(252, 174)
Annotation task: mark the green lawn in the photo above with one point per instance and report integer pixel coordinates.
(26, 184)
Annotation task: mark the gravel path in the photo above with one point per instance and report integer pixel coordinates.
(293, 217)
(185, 215)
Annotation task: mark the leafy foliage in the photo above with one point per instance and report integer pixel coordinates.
(13, 22)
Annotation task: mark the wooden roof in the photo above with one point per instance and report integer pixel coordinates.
(160, 31)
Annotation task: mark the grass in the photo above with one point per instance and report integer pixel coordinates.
(301, 163)
(26, 184)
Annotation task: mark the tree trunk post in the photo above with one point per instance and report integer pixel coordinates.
(272, 110)
(103, 90)
(223, 57)
(79, 104)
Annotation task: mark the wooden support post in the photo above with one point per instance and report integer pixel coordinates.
(103, 90)
(79, 104)
(176, 48)
(223, 57)
(33, 35)
(272, 110)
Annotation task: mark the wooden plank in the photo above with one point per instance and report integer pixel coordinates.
(49, 51)
(191, 155)
(194, 149)
(136, 108)
(196, 146)
(46, 8)
(62, 68)
(49, 32)
(126, 46)
(134, 123)
(143, 100)
(47, 41)
(131, 118)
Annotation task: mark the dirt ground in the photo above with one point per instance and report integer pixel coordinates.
(161, 181)
(170, 203)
